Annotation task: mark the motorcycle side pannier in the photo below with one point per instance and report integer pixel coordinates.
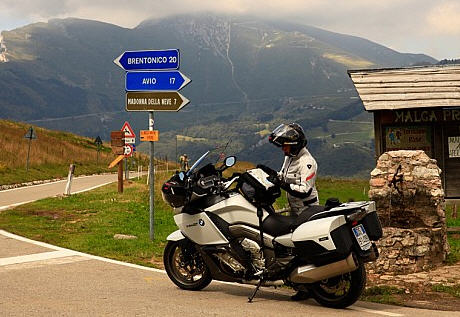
(373, 226)
(256, 189)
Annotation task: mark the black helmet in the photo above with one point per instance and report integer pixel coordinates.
(173, 192)
(289, 134)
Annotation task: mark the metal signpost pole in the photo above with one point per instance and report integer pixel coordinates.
(152, 179)
(28, 154)
(151, 83)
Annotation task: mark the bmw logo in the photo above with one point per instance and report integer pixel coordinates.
(201, 222)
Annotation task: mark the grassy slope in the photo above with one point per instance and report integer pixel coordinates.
(50, 154)
(88, 221)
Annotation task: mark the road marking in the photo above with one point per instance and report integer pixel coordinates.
(42, 263)
(372, 311)
(36, 257)
(71, 252)
(14, 205)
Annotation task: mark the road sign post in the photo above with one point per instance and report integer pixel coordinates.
(98, 142)
(152, 179)
(148, 89)
(29, 135)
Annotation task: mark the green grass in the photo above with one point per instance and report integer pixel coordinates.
(454, 242)
(451, 222)
(452, 290)
(382, 294)
(88, 221)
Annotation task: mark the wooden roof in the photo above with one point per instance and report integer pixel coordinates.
(404, 88)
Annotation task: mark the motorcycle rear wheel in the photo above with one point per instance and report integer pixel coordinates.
(185, 266)
(340, 291)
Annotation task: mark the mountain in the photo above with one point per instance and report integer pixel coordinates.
(248, 75)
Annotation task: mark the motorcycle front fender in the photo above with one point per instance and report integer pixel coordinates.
(175, 236)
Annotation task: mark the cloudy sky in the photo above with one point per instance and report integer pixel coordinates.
(416, 26)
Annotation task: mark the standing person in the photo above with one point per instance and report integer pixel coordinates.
(298, 173)
(183, 160)
(186, 162)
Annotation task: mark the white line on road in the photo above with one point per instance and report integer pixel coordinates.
(14, 205)
(372, 311)
(36, 257)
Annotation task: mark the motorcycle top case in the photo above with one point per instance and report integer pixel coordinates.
(255, 187)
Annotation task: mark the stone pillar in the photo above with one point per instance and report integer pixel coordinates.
(406, 186)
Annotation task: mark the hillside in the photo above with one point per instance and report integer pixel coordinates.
(248, 75)
(51, 153)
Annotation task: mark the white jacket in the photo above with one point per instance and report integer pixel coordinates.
(300, 173)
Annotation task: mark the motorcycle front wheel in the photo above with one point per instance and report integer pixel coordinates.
(185, 266)
(340, 291)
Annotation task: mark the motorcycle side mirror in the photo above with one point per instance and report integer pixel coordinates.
(230, 161)
(181, 176)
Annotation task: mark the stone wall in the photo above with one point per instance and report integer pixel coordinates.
(406, 186)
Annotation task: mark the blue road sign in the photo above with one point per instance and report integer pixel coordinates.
(151, 81)
(149, 60)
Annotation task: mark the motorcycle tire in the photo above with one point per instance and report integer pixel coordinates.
(340, 291)
(185, 266)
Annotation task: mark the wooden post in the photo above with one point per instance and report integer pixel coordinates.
(454, 211)
(120, 177)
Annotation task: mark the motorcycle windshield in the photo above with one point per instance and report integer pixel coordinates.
(198, 162)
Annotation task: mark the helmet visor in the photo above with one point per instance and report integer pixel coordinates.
(284, 134)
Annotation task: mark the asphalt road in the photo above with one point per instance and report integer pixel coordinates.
(17, 196)
(43, 280)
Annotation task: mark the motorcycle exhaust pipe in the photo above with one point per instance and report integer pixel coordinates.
(311, 273)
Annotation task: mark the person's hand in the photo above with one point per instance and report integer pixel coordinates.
(274, 180)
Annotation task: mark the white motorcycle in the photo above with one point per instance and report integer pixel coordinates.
(232, 233)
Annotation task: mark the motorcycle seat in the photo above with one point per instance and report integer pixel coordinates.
(277, 225)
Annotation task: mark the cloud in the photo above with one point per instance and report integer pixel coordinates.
(445, 19)
(404, 25)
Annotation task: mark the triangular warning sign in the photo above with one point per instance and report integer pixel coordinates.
(129, 133)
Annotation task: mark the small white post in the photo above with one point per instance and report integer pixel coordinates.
(148, 174)
(69, 180)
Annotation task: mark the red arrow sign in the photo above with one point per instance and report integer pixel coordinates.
(129, 133)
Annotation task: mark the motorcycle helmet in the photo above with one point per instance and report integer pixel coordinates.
(173, 192)
(289, 134)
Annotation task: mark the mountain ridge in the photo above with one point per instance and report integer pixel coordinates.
(248, 75)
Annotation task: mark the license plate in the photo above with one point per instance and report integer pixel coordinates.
(361, 237)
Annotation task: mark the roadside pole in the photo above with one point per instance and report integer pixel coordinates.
(29, 135)
(120, 176)
(152, 179)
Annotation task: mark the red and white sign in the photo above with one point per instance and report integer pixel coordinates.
(130, 137)
(128, 150)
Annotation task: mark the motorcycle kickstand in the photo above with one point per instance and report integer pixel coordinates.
(250, 298)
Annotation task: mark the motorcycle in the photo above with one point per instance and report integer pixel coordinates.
(229, 231)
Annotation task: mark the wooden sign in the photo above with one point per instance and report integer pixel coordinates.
(147, 135)
(117, 142)
(116, 161)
